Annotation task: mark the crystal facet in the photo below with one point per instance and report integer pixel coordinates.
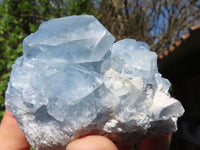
(72, 80)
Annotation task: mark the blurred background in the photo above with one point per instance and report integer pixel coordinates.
(170, 27)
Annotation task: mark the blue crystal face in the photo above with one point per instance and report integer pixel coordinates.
(76, 39)
(73, 80)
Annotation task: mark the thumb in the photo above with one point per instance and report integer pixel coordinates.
(93, 142)
(11, 137)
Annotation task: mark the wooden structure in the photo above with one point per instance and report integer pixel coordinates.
(181, 65)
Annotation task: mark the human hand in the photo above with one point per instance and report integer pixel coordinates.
(95, 142)
(12, 138)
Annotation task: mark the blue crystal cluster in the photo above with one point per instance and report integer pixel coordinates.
(73, 80)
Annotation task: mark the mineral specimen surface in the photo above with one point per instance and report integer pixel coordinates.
(72, 80)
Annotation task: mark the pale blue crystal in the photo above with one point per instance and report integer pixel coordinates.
(72, 80)
(139, 60)
(76, 39)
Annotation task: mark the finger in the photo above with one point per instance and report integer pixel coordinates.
(11, 137)
(157, 143)
(93, 142)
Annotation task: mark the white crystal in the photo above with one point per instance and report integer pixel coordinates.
(118, 84)
(73, 81)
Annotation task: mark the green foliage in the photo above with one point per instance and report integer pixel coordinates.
(77, 7)
(14, 16)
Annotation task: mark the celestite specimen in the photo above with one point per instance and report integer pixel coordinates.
(72, 80)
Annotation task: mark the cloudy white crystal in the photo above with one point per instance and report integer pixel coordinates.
(73, 81)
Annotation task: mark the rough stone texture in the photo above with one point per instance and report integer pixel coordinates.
(73, 81)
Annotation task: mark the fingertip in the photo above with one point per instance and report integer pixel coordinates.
(11, 137)
(93, 142)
